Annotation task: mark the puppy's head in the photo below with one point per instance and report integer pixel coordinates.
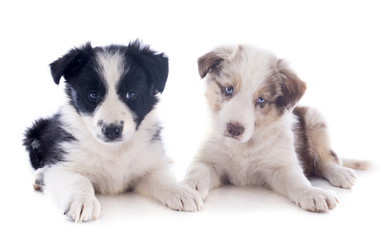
(247, 89)
(113, 88)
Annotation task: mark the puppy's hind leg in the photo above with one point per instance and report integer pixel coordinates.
(332, 170)
(327, 163)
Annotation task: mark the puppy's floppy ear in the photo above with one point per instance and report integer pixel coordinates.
(211, 61)
(292, 87)
(154, 64)
(71, 63)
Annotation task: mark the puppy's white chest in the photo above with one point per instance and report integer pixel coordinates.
(114, 175)
(106, 175)
(111, 171)
(245, 166)
(240, 169)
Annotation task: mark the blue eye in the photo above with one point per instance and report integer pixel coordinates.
(93, 97)
(130, 96)
(260, 100)
(228, 91)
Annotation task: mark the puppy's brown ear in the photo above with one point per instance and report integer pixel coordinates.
(292, 87)
(211, 61)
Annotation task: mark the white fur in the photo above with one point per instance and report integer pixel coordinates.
(113, 168)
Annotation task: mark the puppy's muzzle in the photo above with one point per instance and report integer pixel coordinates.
(111, 131)
(235, 129)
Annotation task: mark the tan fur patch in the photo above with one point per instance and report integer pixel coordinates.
(214, 96)
(268, 112)
(214, 63)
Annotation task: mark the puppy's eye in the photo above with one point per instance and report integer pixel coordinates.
(228, 91)
(129, 96)
(93, 97)
(260, 101)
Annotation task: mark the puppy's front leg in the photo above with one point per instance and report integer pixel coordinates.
(74, 192)
(291, 182)
(202, 177)
(161, 185)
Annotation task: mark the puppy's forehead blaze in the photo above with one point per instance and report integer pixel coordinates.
(111, 66)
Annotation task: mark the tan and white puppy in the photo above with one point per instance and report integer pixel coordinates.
(260, 137)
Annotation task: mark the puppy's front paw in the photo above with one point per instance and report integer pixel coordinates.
(340, 176)
(182, 198)
(83, 208)
(198, 185)
(317, 200)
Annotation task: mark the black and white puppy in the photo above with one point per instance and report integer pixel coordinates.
(106, 138)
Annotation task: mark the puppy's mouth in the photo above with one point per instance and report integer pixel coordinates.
(104, 139)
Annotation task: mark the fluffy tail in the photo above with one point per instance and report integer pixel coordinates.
(356, 164)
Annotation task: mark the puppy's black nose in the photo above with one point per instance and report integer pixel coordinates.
(112, 131)
(235, 129)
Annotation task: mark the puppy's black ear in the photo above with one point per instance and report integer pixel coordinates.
(292, 87)
(211, 61)
(71, 63)
(154, 64)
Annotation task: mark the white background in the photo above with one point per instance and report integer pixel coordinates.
(338, 47)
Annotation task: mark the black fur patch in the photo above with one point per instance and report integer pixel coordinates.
(43, 140)
(146, 77)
